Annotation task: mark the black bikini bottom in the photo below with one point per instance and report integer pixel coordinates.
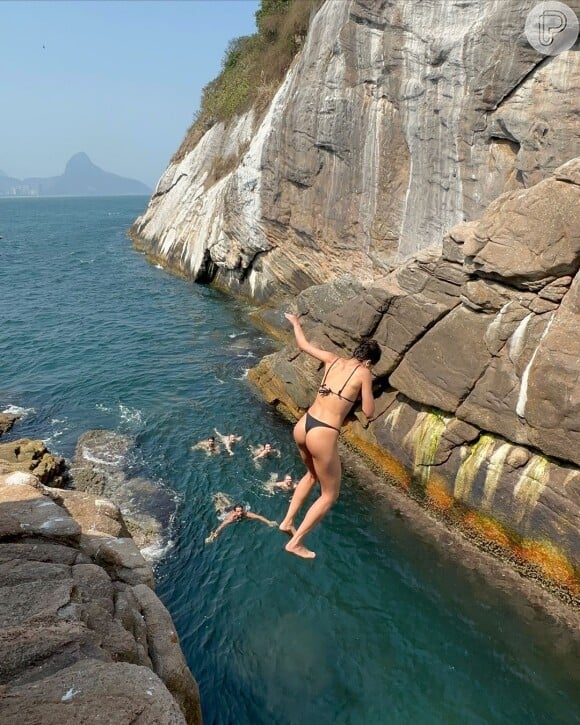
(311, 422)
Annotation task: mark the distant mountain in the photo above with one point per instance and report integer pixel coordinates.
(81, 178)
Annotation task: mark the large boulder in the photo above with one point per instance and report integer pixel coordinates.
(83, 637)
(92, 691)
(7, 420)
(529, 238)
(32, 456)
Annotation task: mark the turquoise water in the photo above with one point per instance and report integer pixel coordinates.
(381, 628)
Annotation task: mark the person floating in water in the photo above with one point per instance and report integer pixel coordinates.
(265, 451)
(285, 485)
(237, 512)
(228, 441)
(209, 445)
(316, 433)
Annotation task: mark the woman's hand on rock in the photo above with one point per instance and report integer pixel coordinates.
(293, 319)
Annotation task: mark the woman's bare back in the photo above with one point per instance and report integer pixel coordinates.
(341, 387)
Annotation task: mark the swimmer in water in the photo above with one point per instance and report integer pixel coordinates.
(208, 445)
(286, 485)
(228, 441)
(265, 451)
(316, 433)
(237, 513)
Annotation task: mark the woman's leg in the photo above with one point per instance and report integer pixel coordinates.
(304, 486)
(323, 444)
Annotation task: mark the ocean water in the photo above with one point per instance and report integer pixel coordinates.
(383, 627)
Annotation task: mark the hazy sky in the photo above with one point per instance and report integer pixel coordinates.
(118, 79)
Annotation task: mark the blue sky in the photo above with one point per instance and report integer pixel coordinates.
(118, 79)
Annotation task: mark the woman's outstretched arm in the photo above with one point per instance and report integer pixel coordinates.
(322, 355)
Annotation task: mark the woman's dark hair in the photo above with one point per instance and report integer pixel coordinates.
(368, 349)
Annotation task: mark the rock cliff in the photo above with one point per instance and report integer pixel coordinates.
(83, 637)
(397, 120)
(416, 177)
(479, 396)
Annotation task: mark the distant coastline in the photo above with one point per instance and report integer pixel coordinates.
(13, 197)
(81, 178)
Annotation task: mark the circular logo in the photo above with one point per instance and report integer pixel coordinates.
(552, 27)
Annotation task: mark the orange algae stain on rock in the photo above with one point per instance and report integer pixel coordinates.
(550, 560)
(377, 455)
(541, 554)
(488, 529)
(437, 494)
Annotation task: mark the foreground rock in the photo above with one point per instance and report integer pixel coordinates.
(7, 420)
(478, 387)
(31, 456)
(83, 637)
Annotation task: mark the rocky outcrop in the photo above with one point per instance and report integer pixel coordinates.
(99, 467)
(397, 121)
(478, 389)
(83, 637)
(7, 420)
(32, 456)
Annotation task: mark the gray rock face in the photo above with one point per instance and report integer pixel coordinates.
(91, 691)
(479, 393)
(529, 238)
(535, 499)
(83, 638)
(397, 121)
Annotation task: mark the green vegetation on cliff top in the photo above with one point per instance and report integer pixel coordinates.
(253, 67)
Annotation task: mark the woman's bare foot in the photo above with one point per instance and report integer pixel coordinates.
(287, 528)
(299, 550)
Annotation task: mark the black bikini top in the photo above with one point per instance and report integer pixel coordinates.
(324, 390)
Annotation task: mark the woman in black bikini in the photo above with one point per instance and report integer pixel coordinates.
(316, 433)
